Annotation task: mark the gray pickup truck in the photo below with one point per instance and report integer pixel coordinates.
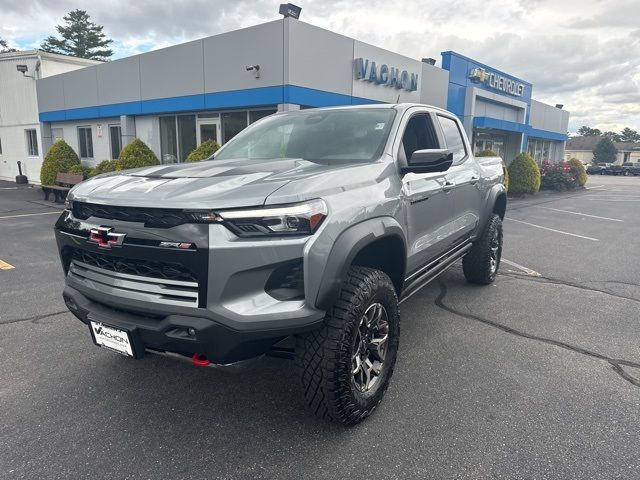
(298, 239)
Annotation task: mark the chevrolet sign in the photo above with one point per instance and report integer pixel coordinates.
(497, 82)
(384, 75)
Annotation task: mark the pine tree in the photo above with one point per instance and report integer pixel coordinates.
(4, 48)
(80, 38)
(605, 151)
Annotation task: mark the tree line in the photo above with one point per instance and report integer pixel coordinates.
(77, 37)
(626, 135)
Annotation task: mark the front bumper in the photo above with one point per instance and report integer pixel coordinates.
(219, 287)
(222, 345)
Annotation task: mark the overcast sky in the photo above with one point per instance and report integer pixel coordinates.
(582, 53)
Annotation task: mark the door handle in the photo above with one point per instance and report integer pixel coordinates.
(448, 186)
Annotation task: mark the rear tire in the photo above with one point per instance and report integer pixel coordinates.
(481, 264)
(346, 365)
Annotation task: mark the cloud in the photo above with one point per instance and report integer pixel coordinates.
(582, 53)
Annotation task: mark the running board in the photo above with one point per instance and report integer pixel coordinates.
(421, 278)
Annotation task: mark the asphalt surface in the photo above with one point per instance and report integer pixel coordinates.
(536, 376)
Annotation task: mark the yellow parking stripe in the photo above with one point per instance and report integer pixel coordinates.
(5, 266)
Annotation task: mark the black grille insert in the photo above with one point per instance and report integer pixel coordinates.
(144, 268)
(151, 217)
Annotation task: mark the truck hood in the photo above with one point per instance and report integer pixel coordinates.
(208, 184)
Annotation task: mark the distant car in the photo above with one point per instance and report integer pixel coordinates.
(631, 169)
(612, 169)
(596, 169)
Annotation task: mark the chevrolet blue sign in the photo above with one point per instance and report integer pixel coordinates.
(384, 75)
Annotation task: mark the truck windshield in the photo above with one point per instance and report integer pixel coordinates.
(349, 135)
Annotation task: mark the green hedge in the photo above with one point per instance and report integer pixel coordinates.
(59, 159)
(105, 166)
(204, 151)
(524, 175)
(577, 167)
(135, 155)
(487, 153)
(81, 170)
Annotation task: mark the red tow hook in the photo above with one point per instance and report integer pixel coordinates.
(200, 360)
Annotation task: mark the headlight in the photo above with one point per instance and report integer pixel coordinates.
(68, 204)
(297, 219)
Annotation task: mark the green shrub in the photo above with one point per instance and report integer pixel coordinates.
(80, 170)
(579, 171)
(524, 175)
(135, 155)
(59, 159)
(491, 153)
(204, 151)
(487, 153)
(105, 166)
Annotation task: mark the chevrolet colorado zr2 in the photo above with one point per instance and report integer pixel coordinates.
(308, 227)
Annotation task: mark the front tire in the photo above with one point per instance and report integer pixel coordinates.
(480, 265)
(346, 365)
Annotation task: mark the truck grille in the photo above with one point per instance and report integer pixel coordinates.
(143, 268)
(151, 217)
(149, 281)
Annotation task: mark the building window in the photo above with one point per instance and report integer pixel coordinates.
(0, 146)
(115, 140)
(541, 150)
(256, 115)
(85, 141)
(168, 140)
(32, 142)
(186, 135)
(232, 124)
(177, 137)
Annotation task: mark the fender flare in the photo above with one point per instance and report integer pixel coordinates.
(489, 204)
(344, 250)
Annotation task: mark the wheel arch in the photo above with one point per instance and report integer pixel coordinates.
(376, 243)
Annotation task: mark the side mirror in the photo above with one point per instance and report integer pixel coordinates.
(430, 160)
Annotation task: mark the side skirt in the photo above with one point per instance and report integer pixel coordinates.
(422, 277)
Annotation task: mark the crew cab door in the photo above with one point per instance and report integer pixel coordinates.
(426, 196)
(465, 172)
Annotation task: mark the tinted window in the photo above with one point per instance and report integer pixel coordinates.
(85, 141)
(419, 135)
(316, 135)
(453, 138)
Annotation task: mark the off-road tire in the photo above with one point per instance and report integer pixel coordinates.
(324, 357)
(477, 263)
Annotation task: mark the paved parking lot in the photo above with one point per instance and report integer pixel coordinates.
(536, 376)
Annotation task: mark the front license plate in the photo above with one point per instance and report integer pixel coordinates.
(112, 338)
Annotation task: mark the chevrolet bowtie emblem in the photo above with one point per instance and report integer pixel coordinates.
(105, 237)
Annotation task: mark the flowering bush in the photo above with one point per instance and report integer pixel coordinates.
(558, 176)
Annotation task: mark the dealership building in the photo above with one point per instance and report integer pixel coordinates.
(175, 98)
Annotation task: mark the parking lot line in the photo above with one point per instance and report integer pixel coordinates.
(526, 270)
(583, 214)
(554, 230)
(8, 188)
(32, 214)
(6, 266)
